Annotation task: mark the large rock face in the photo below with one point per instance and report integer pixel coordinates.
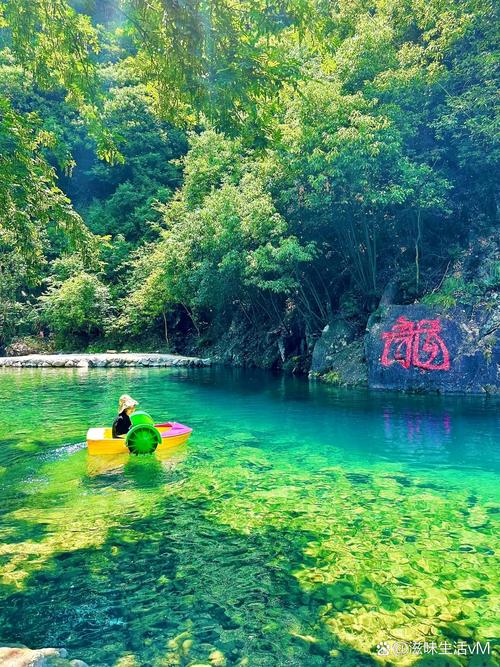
(420, 348)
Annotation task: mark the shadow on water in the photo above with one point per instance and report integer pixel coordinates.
(24, 530)
(278, 387)
(178, 586)
(144, 472)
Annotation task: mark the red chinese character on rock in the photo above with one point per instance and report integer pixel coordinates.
(429, 349)
(416, 343)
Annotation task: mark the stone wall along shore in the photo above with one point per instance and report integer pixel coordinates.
(107, 360)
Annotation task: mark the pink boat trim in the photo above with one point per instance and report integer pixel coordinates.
(177, 429)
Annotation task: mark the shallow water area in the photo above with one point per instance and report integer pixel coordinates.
(301, 525)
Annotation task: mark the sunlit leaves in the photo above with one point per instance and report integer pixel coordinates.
(57, 45)
(29, 198)
(219, 58)
(333, 146)
(223, 240)
(76, 306)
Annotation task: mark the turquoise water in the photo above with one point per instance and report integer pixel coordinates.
(301, 525)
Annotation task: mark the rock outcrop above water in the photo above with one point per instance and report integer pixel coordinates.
(335, 337)
(108, 360)
(21, 348)
(20, 656)
(338, 355)
(422, 348)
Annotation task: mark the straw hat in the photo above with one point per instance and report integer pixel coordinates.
(125, 402)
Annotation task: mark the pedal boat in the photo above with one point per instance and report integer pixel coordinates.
(100, 441)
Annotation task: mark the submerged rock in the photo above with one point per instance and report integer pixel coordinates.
(20, 656)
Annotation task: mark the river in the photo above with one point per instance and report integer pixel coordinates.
(301, 525)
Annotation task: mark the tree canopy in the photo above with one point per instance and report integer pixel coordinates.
(238, 164)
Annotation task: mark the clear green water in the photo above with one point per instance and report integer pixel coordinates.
(300, 526)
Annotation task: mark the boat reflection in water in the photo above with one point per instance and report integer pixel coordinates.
(116, 464)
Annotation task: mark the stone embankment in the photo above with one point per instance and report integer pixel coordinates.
(107, 360)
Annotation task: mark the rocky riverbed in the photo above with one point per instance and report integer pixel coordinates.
(106, 360)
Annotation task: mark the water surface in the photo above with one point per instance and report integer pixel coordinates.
(301, 526)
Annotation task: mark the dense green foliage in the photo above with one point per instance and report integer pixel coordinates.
(75, 306)
(245, 170)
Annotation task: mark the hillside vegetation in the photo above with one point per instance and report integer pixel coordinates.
(228, 175)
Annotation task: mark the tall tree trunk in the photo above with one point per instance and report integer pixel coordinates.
(165, 327)
(417, 252)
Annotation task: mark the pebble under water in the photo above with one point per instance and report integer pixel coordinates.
(301, 525)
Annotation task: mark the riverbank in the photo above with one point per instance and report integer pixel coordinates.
(105, 360)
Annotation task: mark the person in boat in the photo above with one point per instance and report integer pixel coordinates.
(122, 424)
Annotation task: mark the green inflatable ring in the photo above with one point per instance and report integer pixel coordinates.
(143, 439)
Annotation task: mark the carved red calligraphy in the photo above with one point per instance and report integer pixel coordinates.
(415, 344)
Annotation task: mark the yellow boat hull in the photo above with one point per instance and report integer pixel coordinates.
(101, 442)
